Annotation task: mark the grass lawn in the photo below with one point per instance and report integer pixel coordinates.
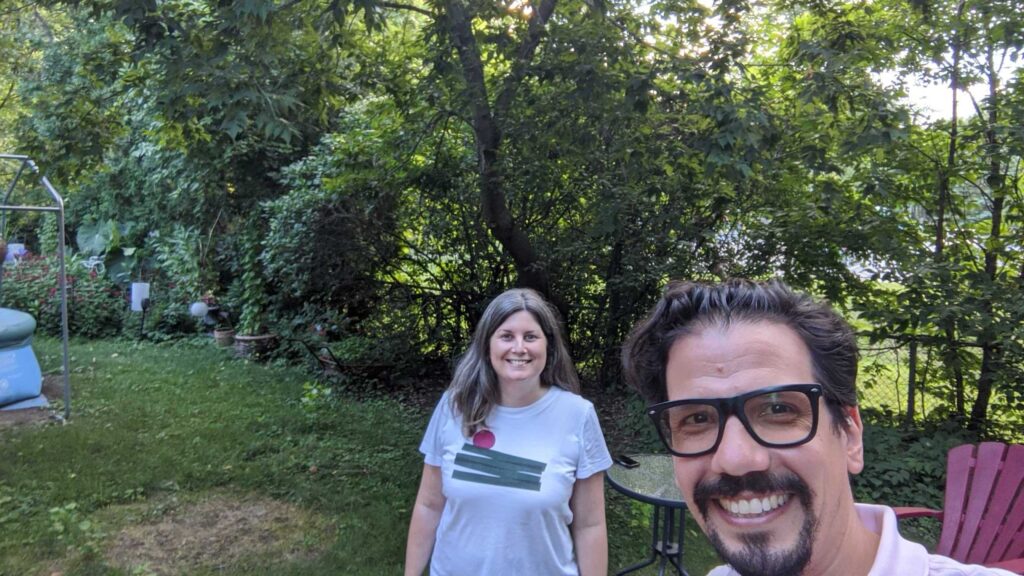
(179, 459)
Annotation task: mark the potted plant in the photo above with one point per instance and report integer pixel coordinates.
(212, 313)
(223, 331)
(252, 338)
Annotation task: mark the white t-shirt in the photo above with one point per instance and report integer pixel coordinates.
(897, 556)
(508, 487)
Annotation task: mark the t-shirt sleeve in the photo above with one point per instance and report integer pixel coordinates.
(432, 445)
(594, 456)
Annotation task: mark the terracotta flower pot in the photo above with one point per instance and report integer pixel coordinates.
(254, 346)
(224, 337)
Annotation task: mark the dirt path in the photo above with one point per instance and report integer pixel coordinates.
(218, 532)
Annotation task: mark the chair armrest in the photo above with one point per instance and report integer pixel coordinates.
(1016, 566)
(915, 512)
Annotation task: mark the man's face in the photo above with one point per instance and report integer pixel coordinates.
(766, 510)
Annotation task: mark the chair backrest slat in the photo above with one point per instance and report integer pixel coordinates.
(959, 468)
(983, 517)
(1005, 529)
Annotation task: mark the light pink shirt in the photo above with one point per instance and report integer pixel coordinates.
(898, 556)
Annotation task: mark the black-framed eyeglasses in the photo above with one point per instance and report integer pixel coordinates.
(777, 417)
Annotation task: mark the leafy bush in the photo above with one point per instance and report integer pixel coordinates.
(96, 306)
(636, 425)
(334, 231)
(363, 350)
(168, 314)
(183, 253)
(906, 467)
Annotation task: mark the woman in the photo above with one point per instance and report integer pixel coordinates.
(514, 457)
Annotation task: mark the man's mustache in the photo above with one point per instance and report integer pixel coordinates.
(726, 486)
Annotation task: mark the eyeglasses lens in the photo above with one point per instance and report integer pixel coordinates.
(775, 418)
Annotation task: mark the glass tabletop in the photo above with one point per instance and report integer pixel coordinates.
(653, 481)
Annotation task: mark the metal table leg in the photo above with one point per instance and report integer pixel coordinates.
(668, 546)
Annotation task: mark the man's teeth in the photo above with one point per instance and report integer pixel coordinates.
(754, 505)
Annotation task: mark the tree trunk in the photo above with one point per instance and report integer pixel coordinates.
(912, 384)
(995, 181)
(485, 122)
(952, 356)
(610, 363)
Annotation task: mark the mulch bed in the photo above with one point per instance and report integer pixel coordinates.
(217, 533)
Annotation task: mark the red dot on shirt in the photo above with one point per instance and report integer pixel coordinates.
(483, 439)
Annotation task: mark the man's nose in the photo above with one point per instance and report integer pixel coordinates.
(738, 453)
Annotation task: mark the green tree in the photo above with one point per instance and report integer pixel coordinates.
(969, 193)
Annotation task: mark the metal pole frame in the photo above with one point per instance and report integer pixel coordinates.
(27, 162)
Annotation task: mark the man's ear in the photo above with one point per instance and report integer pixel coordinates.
(854, 434)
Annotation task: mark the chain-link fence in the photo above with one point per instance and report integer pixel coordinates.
(885, 391)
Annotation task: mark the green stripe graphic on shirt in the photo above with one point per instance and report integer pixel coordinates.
(498, 468)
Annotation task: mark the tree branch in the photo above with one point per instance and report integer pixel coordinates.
(524, 55)
(7, 96)
(15, 9)
(398, 6)
(493, 200)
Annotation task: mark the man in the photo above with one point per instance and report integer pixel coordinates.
(752, 389)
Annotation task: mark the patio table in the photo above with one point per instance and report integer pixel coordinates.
(653, 482)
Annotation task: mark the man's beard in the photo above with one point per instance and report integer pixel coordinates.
(756, 558)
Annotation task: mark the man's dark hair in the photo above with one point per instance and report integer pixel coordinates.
(689, 307)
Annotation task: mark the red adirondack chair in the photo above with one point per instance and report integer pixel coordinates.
(983, 513)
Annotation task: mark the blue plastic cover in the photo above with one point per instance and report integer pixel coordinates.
(20, 376)
(15, 326)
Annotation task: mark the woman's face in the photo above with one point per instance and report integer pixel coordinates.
(518, 350)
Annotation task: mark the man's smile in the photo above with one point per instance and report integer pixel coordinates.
(753, 506)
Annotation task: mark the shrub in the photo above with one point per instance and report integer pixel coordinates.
(636, 425)
(95, 305)
(168, 314)
(334, 230)
(906, 467)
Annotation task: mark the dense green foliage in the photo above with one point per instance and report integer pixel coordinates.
(332, 169)
(96, 307)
